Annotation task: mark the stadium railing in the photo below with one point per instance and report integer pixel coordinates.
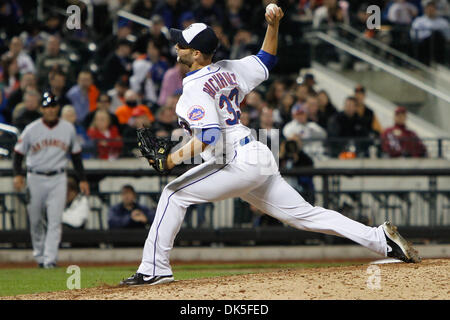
(422, 214)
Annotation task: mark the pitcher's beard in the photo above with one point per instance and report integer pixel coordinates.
(184, 61)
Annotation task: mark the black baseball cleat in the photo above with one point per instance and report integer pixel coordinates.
(398, 247)
(140, 279)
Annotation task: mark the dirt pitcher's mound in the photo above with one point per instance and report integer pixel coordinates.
(427, 280)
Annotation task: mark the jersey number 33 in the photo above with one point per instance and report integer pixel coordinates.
(233, 110)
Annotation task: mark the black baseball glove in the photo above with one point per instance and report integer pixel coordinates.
(155, 148)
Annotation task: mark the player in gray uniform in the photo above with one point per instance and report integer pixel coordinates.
(45, 142)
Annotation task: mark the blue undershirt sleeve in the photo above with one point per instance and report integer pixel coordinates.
(209, 135)
(268, 59)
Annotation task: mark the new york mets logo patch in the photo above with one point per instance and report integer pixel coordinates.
(196, 113)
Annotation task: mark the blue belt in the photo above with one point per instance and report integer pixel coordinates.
(246, 140)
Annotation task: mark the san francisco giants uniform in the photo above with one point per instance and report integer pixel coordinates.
(46, 150)
(242, 167)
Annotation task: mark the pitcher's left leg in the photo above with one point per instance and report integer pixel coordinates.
(279, 200)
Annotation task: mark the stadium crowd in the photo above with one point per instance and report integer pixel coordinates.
(110, 83)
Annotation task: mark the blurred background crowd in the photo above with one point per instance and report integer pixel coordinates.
(112, 75)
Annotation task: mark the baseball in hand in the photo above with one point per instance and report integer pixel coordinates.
(271, 7)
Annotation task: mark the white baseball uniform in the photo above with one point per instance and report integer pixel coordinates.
(211, 98)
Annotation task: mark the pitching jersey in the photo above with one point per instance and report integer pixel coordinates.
(212, 96)
(46, 148)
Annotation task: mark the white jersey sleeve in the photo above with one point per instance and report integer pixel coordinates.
(251, 72)
(196, 109)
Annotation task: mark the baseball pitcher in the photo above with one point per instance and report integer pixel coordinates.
(45, 142)
(241, 167)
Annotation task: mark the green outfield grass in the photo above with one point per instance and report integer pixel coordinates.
(34, 280)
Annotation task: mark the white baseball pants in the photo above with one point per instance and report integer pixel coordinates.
(260, 185)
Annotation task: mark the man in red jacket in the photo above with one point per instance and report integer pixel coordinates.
(398, 141)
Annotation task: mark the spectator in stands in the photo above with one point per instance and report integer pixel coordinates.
(116, 65)
(253, 105)
(10, 15)
(236, 16)
(275, 93)
(166, 119)
(285, 107)
(51, 58)
(208, 11)
(103, 103)
(52, 24)
(301, 94)
(243, 44)
(186, 19)
(33, 39)
(144, 8)
(399, 141)
(124, 112)
(69, 114)
(300, 128)
(267, 132)
(139, 119)
(331, 13)
(57, 86)
(326, 109)
(83, 96)
(27, 80)
(171, 11)
(172, 82)
(129, 213)
(28, 110)
(110, 42)
(148, 73)
(309, 81)
(10, 74)
(431, 33)
(402, 12)
(107, 137)
(368, 118)
(292, 156)
(157, 36)
(24, 61)
(346, 124)
(117, 94)
(223, 50)
(77, 209)
(443, 7)
(312, 107)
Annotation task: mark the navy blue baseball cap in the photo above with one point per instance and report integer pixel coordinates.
(197, 36)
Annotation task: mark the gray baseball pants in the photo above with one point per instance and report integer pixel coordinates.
(47, 195)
